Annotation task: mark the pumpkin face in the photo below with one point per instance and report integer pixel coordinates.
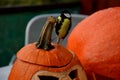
(73, 73)
(44, 60)
(96, 41)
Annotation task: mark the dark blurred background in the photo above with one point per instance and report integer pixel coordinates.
(15, 14)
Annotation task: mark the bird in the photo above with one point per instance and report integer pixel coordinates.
(63, 25)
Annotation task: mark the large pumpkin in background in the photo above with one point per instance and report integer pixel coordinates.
(96, 41)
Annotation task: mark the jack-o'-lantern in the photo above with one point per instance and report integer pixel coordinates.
(44, 60)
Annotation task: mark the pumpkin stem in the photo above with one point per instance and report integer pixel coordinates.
(44, 41)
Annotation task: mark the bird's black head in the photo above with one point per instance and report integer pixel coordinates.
(66, 14)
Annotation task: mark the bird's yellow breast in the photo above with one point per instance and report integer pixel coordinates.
(64, 28)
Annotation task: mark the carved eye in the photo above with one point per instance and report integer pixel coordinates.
(47, 78)
(73, 74)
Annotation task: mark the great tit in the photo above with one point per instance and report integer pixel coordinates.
(63, 25)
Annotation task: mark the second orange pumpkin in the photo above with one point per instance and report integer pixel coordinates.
(96, 41)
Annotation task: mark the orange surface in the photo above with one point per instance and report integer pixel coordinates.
(96, 41)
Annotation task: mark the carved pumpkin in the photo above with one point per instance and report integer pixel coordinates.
(96, 41)
(46, 61)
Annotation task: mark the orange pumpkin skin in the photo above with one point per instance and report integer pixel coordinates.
(96, 41)
(30, 60)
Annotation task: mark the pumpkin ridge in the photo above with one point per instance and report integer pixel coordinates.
(46, 65)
